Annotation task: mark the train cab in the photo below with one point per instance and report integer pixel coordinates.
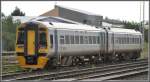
(32, 45)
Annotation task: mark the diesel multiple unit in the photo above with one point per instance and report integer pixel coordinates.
(40, 43)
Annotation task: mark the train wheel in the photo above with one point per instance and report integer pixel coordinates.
(103, 58)
(114, 57)
(138, 54)
(127, 57)
(135, 55)
(50, 64)
(107, 58)
(120, 57)
(73, 61)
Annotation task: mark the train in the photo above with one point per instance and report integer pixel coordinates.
(52, 42)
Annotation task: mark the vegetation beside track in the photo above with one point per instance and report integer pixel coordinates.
(144, 53)
(11, 69)
(9, 65)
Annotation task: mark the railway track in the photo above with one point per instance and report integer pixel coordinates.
(116, 73)
(80, 74)
(22, 74)
(104, 73)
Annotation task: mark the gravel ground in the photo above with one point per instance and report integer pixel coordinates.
(142, 76)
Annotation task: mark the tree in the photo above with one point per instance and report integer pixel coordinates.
(136, 26)
(2, 14)
(131, 25)
(9, 33)
(17, 12)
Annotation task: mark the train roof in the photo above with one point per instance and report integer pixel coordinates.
(123, 30)
(78, 26)
(53, 19)
(70, 26)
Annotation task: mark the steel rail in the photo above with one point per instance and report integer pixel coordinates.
(80, 73)
(112, 74)
(54, 75)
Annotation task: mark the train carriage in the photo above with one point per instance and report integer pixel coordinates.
(127, 42)
(49, 43)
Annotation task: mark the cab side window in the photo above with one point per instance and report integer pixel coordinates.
(20, 39)
(51, 39)
(42, 39)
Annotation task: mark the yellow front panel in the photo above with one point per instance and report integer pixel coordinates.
(41, 62)
(31, 42)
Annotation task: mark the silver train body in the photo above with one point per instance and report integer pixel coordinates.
(72, 43)
(70, 39)
(82, 40)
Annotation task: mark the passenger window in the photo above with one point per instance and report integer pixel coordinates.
(72, 39)
(132, 40)
(112, 39)
(119, 40)
(98, 39)
(90, 39)
(81, 39)
(77, 39)
(94, 40)
(51, 39)
(62, 39)
(102, 38)
(127, 40)
(122, 40)
(86, 40)
(116, 40)
(42, 39)
(140, 40)
(67, 39)
(20, 39)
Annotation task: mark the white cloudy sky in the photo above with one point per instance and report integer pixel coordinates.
(123, 10)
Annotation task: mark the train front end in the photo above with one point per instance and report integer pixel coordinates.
(32, 45)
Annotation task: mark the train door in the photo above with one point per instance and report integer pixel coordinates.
(52, 40)
(110, 41)
(102, 41)
(105, 41)
(31, 45)
(31, 42)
